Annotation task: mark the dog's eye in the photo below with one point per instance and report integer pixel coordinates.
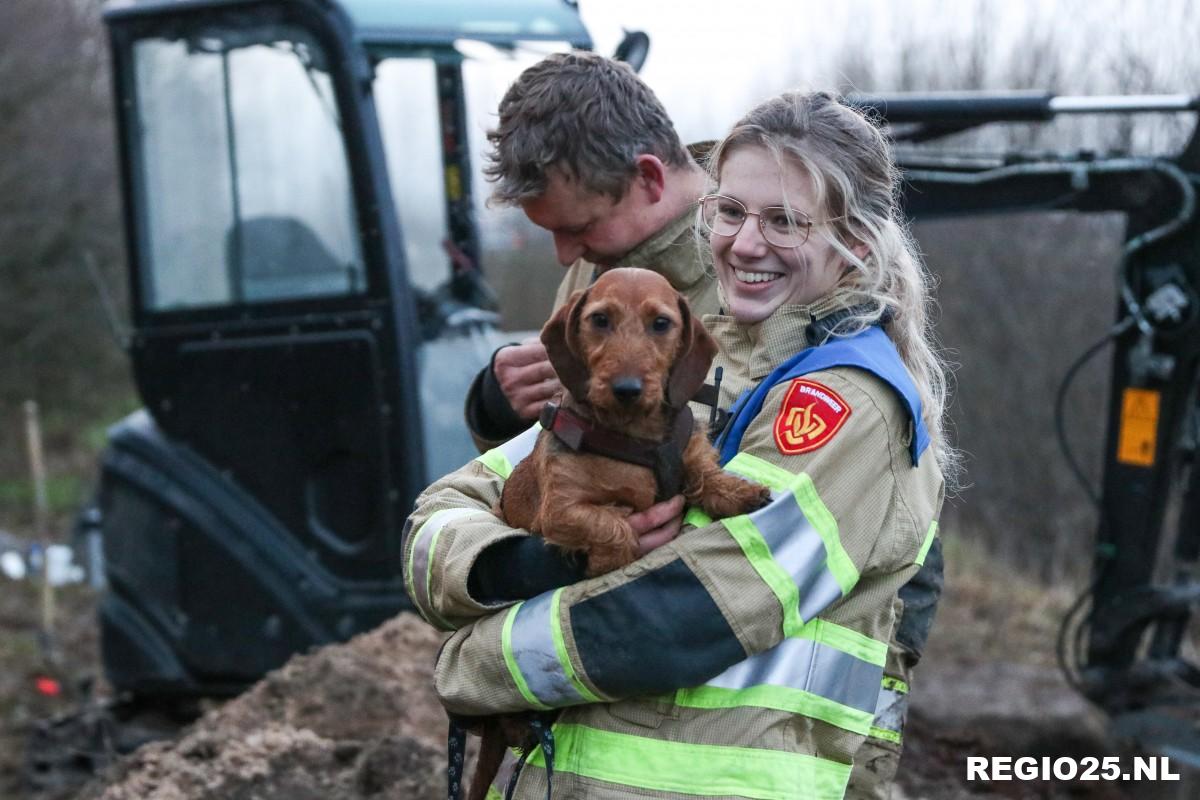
(600, 320)
(661, 324)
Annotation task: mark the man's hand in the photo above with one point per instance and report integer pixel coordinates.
(526, 377)
(658, 524)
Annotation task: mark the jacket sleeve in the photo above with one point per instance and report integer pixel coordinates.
(707, 601)
(449, 527)
(461, 561)
(452, 523)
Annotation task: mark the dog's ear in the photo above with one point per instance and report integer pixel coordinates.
(561, 337)
(696, 351)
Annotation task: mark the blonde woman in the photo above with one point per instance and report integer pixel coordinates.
(744, 658)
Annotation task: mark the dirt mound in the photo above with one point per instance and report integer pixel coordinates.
(347, 722)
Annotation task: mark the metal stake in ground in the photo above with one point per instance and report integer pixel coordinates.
(41, 522)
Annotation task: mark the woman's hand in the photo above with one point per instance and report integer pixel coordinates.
(658, 524)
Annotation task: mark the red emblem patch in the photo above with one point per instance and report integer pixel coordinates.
(809, 417)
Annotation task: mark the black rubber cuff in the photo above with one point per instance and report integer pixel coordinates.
(520, 568)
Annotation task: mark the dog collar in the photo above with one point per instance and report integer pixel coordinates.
(664, 458)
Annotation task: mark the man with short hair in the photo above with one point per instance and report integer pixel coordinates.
(588, 152)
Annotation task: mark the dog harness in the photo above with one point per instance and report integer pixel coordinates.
(664, 458)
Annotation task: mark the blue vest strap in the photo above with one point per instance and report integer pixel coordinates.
(870, 350)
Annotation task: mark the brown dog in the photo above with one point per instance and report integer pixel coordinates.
(631, 355)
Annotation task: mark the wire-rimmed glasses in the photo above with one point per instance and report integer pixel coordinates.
(780, 226)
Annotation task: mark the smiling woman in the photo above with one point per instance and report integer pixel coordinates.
(775, 261)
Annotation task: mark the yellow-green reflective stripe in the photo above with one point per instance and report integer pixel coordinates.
(886, 735)
(928, 543)
(759, 555)
(848, 641)
(503, 459)
(890, 711)
(510, 659)
(895, 684)
(538, 656)
(838, 561)
(801, 675)
(497, 462)
(697, 518)
(696, 769)
(764, 472)
(421, 554)
(560, 649)
(780, 698)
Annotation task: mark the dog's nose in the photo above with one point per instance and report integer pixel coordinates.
(627, 389)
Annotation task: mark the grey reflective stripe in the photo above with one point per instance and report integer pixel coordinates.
(797, 547)
(535, 654)
(890, 710)
(520, 446)
(505, 771)
(811, 667)
(422, 551)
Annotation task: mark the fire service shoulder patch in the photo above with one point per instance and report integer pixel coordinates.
(810, 416)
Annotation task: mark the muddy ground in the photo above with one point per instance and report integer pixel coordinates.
(358, 721)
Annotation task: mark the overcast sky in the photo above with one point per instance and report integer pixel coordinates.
(712, 59)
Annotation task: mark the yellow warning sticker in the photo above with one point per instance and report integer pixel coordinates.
(1139, 427)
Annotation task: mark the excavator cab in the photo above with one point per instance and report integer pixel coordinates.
(308, 310)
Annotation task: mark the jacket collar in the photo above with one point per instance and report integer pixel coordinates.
(778, 337)
(672, 252)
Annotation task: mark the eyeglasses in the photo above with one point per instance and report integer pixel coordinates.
(781, 227)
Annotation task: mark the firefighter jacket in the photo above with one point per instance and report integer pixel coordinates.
(674, 252)
(743, 659)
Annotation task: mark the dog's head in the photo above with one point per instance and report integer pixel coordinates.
(629, 344)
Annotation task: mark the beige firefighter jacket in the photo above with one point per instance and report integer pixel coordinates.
(744, 658)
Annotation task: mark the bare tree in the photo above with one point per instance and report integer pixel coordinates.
(59, 205)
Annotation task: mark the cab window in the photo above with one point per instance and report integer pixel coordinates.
(244, 184)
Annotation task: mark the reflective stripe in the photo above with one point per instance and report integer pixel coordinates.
(503, 774)
(537, 657)
(510, 659)
(696, 517)
(793, 544)
(799, 676)
(812, 667)
(503, 460)
(420, 561)
(759, 555)
(838, 561)
(695, 769)
(560, 650)
(932, 532)
(898, 685)
(849, 641)
(890, 712)
(829, 673)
